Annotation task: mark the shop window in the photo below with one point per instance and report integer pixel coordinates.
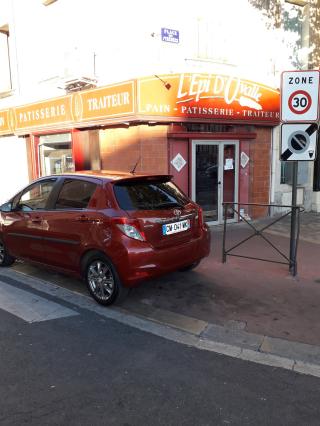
(5, 72)
(55, 153)
(286, 173)
(75, 194)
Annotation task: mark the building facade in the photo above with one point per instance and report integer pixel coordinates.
(213, 133)
(179, 95)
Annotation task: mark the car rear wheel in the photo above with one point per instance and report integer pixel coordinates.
(103, 281)
(190, 267)
(5, 258)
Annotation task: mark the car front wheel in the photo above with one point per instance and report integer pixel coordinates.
(102, 280)
(5, 258)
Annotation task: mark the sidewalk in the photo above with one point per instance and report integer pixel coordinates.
(244, 304)
(259, 297)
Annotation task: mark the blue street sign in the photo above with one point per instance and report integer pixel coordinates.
(171, 36)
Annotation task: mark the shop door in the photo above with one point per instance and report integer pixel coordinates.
(215, 178)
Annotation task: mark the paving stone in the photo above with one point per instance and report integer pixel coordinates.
(293, 350)
(172, 319)
(231, 336)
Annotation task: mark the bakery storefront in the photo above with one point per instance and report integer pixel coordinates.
(212, 132)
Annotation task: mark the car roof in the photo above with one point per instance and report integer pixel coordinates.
(113, 176)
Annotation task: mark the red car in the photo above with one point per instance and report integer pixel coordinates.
(112, 229)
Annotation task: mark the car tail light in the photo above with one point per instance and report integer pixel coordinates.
(130, 227)
(200, 217)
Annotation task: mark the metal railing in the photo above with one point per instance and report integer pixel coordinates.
(294, 211)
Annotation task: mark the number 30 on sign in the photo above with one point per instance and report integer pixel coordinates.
(299, 102)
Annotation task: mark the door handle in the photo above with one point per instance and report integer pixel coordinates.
(37, 219)
(86, 219)
(82, 218)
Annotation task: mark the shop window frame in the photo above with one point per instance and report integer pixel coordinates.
(6, 84)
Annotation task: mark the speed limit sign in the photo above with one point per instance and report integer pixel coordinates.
(299, 96)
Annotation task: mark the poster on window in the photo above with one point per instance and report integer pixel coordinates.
(228, 165)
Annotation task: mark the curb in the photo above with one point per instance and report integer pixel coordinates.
(298, 357)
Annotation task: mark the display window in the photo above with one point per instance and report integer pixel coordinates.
(55, 154)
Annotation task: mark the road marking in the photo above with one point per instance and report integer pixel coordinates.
(30, 307)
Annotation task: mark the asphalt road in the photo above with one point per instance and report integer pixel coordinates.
(84, 369)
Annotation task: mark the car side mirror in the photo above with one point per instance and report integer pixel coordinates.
(6, 207)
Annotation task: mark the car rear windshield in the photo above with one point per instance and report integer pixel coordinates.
(148, 195)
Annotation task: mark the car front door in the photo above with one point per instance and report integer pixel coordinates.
(23, 225)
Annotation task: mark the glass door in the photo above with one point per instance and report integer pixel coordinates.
(229, 179)
(206, 178)
(215, 178)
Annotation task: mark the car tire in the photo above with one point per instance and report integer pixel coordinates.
(190, 267)
(102, 280)
(5, 258)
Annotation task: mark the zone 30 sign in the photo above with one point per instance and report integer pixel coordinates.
(299, 96)
(299, 115)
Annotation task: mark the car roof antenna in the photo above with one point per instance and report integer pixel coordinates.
(135, 166)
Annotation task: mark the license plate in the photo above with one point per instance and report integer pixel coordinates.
(173, 228)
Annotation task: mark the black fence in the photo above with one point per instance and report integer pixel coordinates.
(294, 212)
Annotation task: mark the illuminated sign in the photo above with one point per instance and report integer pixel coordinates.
(4, 122)
(43, 114)
(186, 97)
(208, 96)
(105, 102)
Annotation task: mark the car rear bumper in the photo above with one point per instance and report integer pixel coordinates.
(141, 261)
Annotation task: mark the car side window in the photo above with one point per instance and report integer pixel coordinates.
(35, 197)
(75, 194)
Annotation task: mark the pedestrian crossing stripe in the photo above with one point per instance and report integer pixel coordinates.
(29, 306)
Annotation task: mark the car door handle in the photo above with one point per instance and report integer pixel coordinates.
(37, 219)
(87, 219)
(82, 218)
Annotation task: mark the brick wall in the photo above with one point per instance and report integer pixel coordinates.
(260, 170)
(122, 147)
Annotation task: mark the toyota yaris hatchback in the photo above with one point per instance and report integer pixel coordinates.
(112, 229)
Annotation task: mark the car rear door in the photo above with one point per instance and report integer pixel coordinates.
(167, 217)
(23, 226)
(72, 223)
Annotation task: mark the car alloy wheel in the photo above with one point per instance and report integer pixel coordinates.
(2, 253)
(5, 258)
(101, 280)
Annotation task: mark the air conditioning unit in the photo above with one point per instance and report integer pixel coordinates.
(78, 70)
(73, 84)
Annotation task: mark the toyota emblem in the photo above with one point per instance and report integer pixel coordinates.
(177, 212)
